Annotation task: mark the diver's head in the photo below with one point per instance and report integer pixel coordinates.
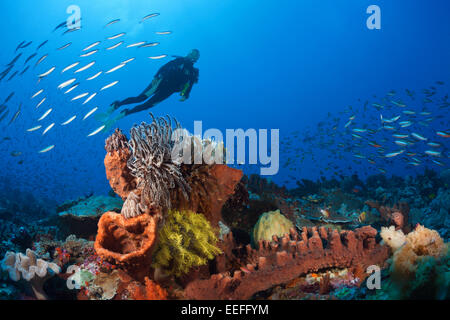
(194, 55)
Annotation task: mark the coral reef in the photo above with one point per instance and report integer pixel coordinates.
(285, 259)
(186, 241)
(30, 268)
(159, 182)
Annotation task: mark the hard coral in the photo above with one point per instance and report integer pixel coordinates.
(127, 242)
(271, 224)
(186, 240)
(285, 259)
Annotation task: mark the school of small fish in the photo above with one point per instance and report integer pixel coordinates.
(409, 130)
(74, 73)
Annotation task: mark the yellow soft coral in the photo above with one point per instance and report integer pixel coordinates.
(186, 240)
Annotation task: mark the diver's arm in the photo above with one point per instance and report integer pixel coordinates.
(187, 91)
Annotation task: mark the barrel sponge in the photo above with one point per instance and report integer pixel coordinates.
(270, 224)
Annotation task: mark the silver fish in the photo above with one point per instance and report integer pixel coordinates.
(117, 36)
(85, 67)
(126, 61)
(151, 15)
(80, 96)
(95, 75)
(151, 44)
(16, 115)
(65, 46)
(41, 59)
(92, 45)
(163, 32)
(109, 85)
(433, 153)
(47, 72)
(111, 23)
(66, 83)
(34, 128)
(68, 121)
(418, 136)
(73, 65)
(90, 98)
(48, 128)
(136, 44)
(39, 104)
(72, 88)
(93, 133)
(158, 57)
(45, 114)
(90, 113)
(116, 68)
(115, 46)
(90, 53)
(47, 149)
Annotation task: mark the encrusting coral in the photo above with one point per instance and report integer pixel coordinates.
(30, 268)
(185, 241)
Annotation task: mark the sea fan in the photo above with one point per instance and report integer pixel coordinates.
(151, 162)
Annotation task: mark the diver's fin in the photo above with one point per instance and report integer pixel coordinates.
(109, 124)
(102, 117)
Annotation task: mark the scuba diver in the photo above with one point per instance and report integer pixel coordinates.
(178, 75)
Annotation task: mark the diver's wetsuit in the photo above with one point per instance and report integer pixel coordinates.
(176, 76)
